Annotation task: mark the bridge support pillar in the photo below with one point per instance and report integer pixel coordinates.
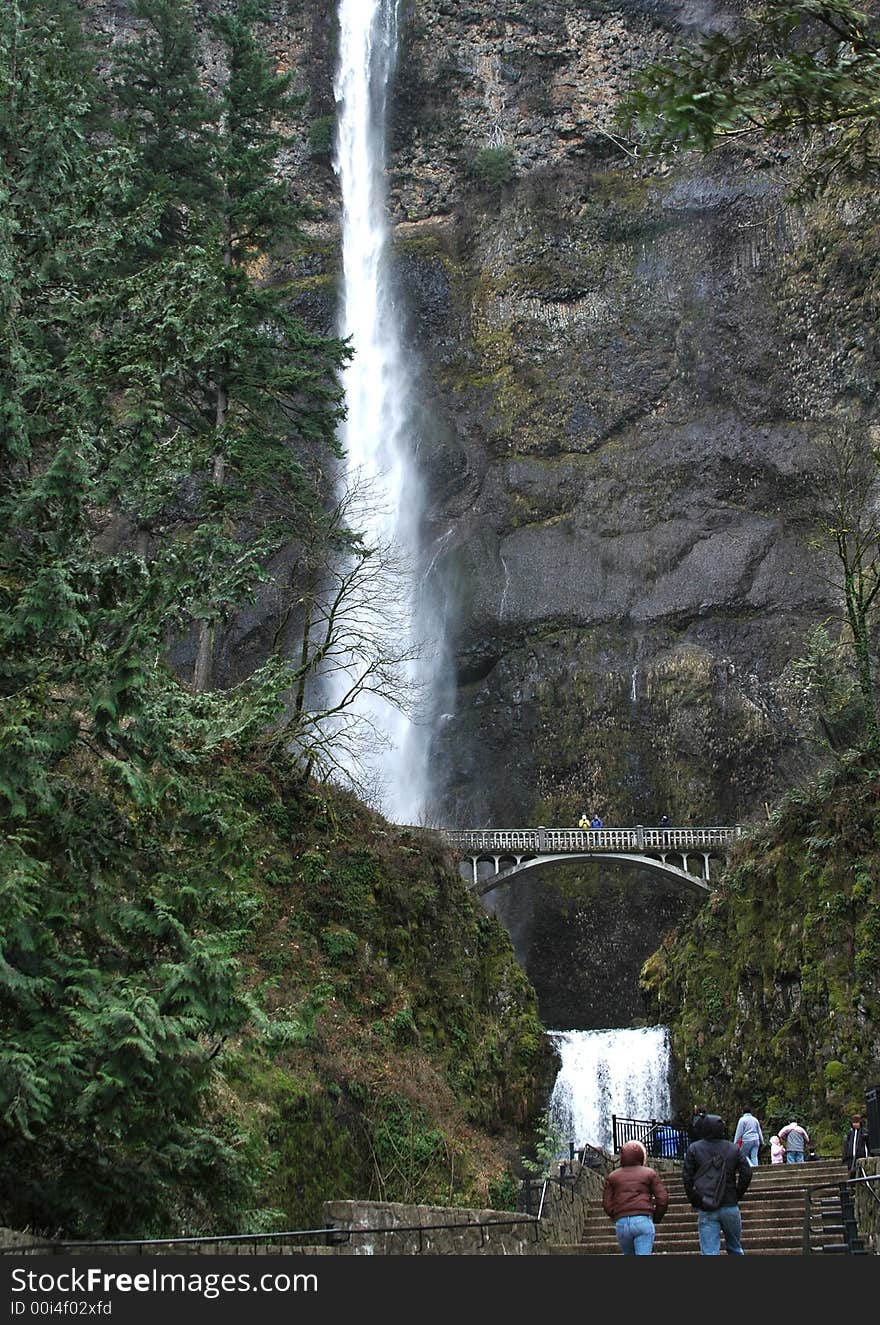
(706, 866)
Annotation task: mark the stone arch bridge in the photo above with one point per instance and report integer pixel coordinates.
(503, 853)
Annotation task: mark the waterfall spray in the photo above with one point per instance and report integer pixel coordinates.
(622, 1072)
(379, 433)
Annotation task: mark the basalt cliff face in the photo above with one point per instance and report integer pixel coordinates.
(624, 368)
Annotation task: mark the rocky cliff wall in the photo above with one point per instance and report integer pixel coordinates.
(583, 932)
(632, 365)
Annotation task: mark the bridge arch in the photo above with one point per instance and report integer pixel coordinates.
(501, 877)
(648, 848)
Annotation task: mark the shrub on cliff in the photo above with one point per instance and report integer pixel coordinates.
(493, 167)
(321, 133)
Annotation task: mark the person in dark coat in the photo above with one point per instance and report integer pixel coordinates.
(727, 1219)
(855, 1144)
(697, 1124)
(635, 1197)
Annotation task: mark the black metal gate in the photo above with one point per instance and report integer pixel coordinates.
(872, 1101)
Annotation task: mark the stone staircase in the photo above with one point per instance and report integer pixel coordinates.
(772, 1215)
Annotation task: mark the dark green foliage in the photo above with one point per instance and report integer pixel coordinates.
(321, 133)
(504, 1192)
(796, 66)
(224, 394)
(167, 115)
(125, 869)
(493, 167)
(159, 858)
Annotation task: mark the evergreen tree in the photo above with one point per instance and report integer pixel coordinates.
(124, 872)
(166, 113)
(209, 359)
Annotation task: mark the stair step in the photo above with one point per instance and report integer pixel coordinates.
(772, 1216)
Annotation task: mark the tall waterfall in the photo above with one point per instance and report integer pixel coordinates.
(622, 1072)
(379, 433)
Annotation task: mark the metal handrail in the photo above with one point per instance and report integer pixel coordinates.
(543, 1195)
(645, 1130)
(838, 1187)
(333, 1231)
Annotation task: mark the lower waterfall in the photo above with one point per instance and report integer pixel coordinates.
(622, 1072)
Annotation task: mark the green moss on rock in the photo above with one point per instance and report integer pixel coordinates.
(772, 992)
(421, 1059)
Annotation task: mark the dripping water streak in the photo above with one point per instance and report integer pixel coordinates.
(439, 548)
(503, 603)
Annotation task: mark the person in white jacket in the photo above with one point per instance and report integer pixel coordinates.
(748, 1134)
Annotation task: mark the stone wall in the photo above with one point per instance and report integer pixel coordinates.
(426, 1230)
(367, 1228)
(867, 1204)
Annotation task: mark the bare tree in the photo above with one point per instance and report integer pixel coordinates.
(355, 659)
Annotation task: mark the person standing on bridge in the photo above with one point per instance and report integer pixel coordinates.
(635, 1197)
(584, 821)
(595, 822)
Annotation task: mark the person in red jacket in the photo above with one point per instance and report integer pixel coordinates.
(635, 1197)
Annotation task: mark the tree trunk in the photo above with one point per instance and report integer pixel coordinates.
(207, 626)
(205, 649)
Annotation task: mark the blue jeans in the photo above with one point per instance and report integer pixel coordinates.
(709, 1226)
(750, 1150)
(635, 1234)
(794, 1157)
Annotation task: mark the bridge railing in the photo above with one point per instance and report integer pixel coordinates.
(551, 840)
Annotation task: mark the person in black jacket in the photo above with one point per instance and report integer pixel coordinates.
(855, 1144)
(697, 1124)
(738, 1174)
